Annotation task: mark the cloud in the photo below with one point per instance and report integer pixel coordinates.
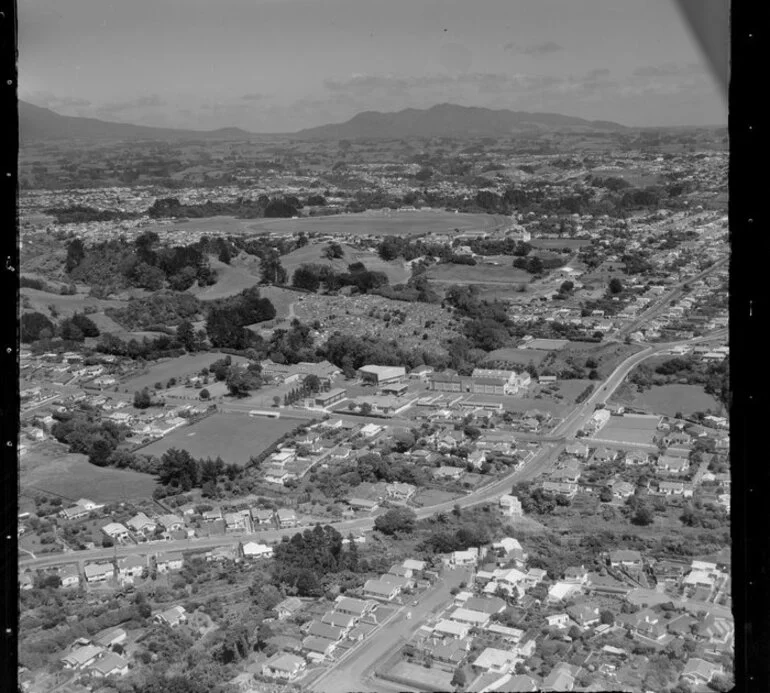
(667, 70)
(253, 97)
(150, 101)
(534, 50)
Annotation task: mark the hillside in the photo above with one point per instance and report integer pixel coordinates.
(446, 120)
(41, 124)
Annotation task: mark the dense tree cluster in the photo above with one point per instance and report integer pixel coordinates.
(148, 349)
(82, 214)
(228, 318)
(179, 471)
(84, 432)
(301, 562)
(35, 326)
(312, 277)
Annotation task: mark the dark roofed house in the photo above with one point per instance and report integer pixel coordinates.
(325, 630)
(111, 664)
(626, 559)
(318, 648)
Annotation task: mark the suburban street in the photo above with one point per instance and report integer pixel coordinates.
(530, 470)
(353, 672)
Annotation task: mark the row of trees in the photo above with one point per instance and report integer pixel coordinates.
(312, 277)
(36, 326)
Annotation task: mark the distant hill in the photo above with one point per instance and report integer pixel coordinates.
(41, 124)
(448, 120)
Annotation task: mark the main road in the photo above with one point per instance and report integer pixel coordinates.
(538, 464)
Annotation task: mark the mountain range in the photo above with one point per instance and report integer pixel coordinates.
(444, 120)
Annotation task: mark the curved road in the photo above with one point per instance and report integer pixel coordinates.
(533, 468)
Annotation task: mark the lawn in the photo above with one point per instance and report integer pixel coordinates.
(629, 429)
(516, 356)
(477, 274)
(65, 305)
(570, 389)
(179, 368)
(670, 399)
(50, 469)
(233, 437)
(432, 496)
(418, 676)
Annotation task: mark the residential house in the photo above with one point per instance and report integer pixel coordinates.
(354, 607)
(116, 531)
(82, 508)
(99, 572)
(577, 449)
(171, 523)
(495, 661)
(285, 517)
(604, 455)
(450, 473)
(130, 567)
(452, 629)
(561, 488)
(340, 620)
(561, 678)
(636, 457)
(69, 576)
(108, 638)
(318, 649)
(82, 657)
(142, 524)
(622, 489)
(672, 465)
(576, 574)
(585, 615)
(112, 664)
(477, 458)
(174, 616)
(473, 618)
(558, 621)
(623, 558)
(487, 605)
(212, 515)
(562, 591)
(252, 549)
(238, 521)
(400, 492)
(510, 506)
(698, 671)
(172, 560)
(288, 607)
(377, 589)
(284, 666)
(325, 630)
(261, 517)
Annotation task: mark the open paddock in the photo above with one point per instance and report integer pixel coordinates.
(477, 274)
(231, 280)
(373, 222)
(559, 243)
(432, 496)
(50, 469)
(233, 437)
(672, 399)
(179, 368)
(516, 356)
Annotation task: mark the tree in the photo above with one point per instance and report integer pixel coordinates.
(70, 331)
(605, 495)
(32, 324)
(615, 286)
(396, 520)
(185, 333)
(333, 251)
(366, 408)
(271, 269)
(204, 394)
(566, 287)
(241, 381)
(643, 515)
(142, 399)
(75, 254)
(459, 679)
(85, 324)
(607, 617)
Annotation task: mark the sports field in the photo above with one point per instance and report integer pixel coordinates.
(233, 437)
(516, 356)
(670, 399)
(559, 243)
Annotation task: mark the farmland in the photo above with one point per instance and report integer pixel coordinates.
(49, 468)
(178, 368)
(374, 222)
(233, 437)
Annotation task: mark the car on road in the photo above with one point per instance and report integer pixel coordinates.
(415, 602)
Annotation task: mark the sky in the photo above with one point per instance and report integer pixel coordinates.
(284, 65)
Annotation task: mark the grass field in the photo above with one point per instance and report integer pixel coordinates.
(433, 679)
(477, 274)
(65, 305)
(376, 222)
(280, 298)
(516, 356)
(178, 368)
(670, 399)
(636, 177)
(49, 468)
(233, 437)
(559, 243)
(629, 429)
(231, 280)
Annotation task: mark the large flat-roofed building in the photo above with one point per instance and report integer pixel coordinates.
(444, 382)
(382, 375)
(327, 399)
